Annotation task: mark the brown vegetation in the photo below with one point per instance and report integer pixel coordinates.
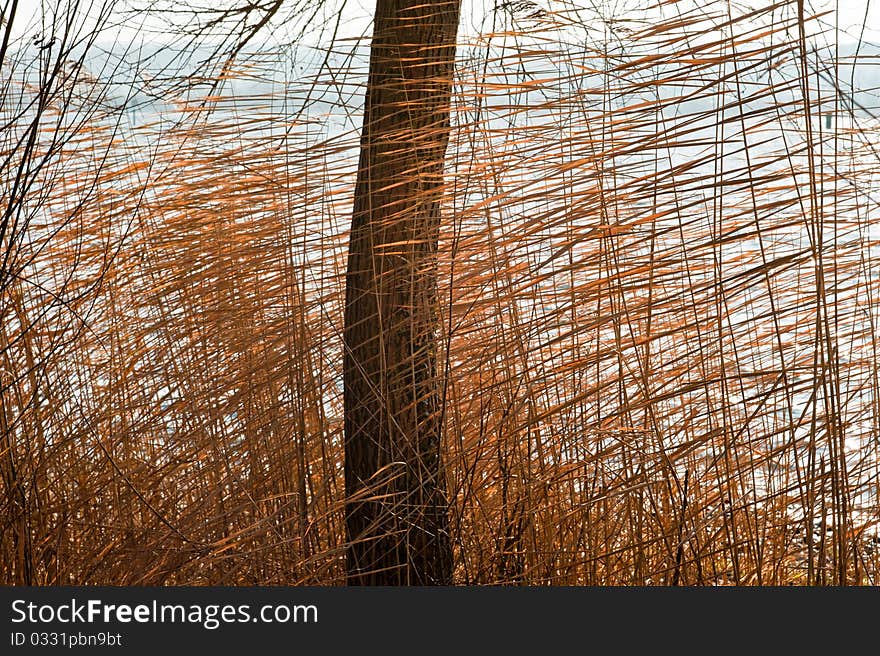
(657, 294)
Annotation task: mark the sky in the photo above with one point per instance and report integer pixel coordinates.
(851, 17)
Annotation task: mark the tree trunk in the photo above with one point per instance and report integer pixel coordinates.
(396, 512)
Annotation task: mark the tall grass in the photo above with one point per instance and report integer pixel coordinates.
(658, 287)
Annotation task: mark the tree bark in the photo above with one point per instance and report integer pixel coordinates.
(396, 511)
